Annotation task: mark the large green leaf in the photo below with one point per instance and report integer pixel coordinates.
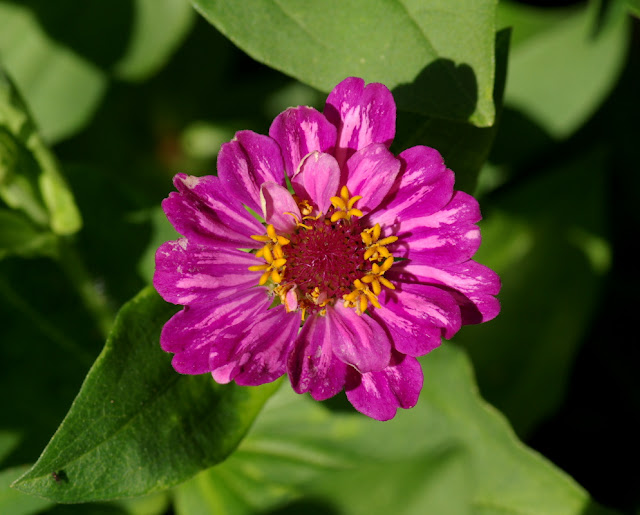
(437, 55)
(137, 426)
(559, 76)
(30, 179)
(452, 453)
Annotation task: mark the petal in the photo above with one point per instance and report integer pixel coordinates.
(317, 179)
(300, 131)
(187, 273)
(362, 115)
(276, 202)
(312, 366)
(248, 161)
(371, 173)
(259, 353)
(379, 394)
(358, 339)
(205, 212)
(417, 316)
(423, 187)
(446, 237)
(196, 331)
(472, 285)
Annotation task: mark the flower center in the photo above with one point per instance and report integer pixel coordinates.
(325, 259)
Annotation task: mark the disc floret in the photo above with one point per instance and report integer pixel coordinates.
(327, 258)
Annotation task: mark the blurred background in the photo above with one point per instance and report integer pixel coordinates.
(124, 108)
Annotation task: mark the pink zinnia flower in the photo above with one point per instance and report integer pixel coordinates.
(359, 271)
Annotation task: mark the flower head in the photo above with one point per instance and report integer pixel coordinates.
(363, 261)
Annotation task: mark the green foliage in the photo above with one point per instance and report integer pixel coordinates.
(102, 102)
(150, 428)
(450, 454)
(409, 45)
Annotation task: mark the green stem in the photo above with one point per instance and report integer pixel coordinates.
(87, 288)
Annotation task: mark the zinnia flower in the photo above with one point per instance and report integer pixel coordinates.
(363, 261)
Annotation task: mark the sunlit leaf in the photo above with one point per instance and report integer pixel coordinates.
(63, 88)
(137, 426)
(559, 76)
(159, 26)
(450, 454)
(436, 56)
(30, 179)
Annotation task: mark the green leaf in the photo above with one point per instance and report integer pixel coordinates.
(16, 503)
(551, 74)
(437, 56)
(452, 453)
(30, 179)
(546, 238)
(465, 148)
(137, 426)
(63, 88)
(634, 7)
(18, 236)
(160, 25)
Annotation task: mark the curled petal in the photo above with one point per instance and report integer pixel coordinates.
(188, 273)
(259, 353)
(194, 333)
(317, 179)
(423, 187)
(371, 174)
(312, 365)
(359, 340)
(279, 208)
(300, 131)
(205, 212)
(362, 114)
(472, 285)
(246, 162)
(417, 316)
(379, 394)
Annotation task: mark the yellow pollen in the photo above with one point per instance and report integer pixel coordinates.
(376, 247)
(273, 254)
(344, 206)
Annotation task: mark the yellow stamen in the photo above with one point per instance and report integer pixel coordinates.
(273, 254)
(343, 205)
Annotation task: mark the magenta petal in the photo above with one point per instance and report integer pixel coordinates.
(205, 212)
(188, 273)
(359, 340)
(317, 180)
(371, 173)
(246, 162)
(300, 131)
(259, 353)
(446, 237)
(423, 187)
(312, 365)
(362, 115)
(276, 202)
(196, 331)
(379, 394)
(473, 285)
(417, 316)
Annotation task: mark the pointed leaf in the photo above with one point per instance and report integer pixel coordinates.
(439, 55)
(137, 426)
(452, 442)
